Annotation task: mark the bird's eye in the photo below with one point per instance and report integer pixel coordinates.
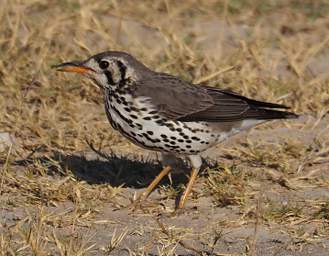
(104, 64)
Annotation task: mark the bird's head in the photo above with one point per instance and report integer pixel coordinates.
(107, 69)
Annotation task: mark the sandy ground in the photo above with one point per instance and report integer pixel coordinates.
(203, 227)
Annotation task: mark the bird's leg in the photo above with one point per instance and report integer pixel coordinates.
(196, 162)
(153, 184)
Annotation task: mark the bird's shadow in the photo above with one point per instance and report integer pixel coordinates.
(116, 170)
(112, 169)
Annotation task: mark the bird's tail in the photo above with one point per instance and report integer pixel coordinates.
(269, 114)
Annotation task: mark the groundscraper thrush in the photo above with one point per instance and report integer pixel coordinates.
(161, 112)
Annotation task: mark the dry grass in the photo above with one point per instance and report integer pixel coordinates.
(54, 200)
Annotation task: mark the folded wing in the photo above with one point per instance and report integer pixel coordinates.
(178, 100)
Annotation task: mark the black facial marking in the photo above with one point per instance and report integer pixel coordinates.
(109, 77)
(122, 69)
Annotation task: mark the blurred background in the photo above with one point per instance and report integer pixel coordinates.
(275, 50)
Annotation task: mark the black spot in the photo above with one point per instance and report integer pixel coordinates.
(123, 100)
(163, 136)
(143, 109)
(127, 109)
(134, 109)
(140, 127)
(186, 137)
(188, 146)
(133, 116)
(188, 141)
(179, 129)
(192, 151)
(156, 117)
(207, 143)
(173, 137)
(180, 140)
(147, 118)
(166, 140)
(133, 134)
(160, 122)
(153, 112)
(172, 142)
(195, 138)
(123, 117)
(150, 132)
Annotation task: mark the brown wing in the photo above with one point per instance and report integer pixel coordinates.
(179, 100)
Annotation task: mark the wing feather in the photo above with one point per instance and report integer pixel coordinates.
(179, 100)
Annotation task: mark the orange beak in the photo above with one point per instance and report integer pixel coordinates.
(73, 66)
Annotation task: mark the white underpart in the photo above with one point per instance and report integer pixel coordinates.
(214, 136)
(150, 125)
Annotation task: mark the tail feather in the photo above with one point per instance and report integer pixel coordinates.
(268, 114)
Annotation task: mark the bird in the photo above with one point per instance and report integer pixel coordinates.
(162, 112)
